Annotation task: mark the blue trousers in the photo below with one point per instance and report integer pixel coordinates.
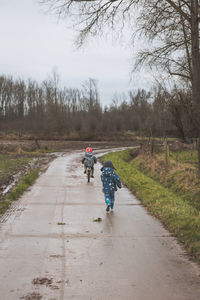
(110, 199)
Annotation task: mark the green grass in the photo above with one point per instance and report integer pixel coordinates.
(11, 163)
(4, 205)
(181, 218)
(24, 183)
(189, 156)
(181, 178)
(27, 180)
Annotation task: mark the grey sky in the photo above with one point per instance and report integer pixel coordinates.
(33, 43)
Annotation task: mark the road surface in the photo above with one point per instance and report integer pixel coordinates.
(51, 248)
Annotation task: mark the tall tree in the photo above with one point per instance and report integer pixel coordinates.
(175, 22)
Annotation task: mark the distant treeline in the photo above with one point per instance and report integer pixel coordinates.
(46, 110)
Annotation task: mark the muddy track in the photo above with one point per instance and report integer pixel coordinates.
(10, 181)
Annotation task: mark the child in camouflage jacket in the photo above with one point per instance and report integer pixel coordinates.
(110, 181)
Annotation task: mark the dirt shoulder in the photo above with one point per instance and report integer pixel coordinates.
(14, 168)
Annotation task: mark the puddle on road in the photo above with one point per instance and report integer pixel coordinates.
(8, 188)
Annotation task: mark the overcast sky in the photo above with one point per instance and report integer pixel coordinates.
(34, 43)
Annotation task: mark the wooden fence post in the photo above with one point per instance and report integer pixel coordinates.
(167, 161)
(152, 147)
(198, 151)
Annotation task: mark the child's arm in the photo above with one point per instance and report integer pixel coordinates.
(117, 181)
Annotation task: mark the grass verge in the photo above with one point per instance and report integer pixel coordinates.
(10, 163)
(181, 218)
(190, 156)
(26, 180)
(181, 176)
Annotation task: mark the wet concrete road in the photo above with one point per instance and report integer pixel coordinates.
(50, 248)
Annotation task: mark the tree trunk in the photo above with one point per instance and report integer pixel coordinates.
(196, 69)
(195, 59)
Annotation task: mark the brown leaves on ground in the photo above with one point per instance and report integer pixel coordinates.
(32, 296)
(42, 281)
(97, 220)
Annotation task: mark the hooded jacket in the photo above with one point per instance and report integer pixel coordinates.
(108, 164)
(89, 159)
(110, 180)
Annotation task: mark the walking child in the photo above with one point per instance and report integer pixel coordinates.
(110, 181)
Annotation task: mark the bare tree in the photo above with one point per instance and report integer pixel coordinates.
(174, 24)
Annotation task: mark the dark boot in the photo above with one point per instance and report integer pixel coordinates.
(108, 208)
